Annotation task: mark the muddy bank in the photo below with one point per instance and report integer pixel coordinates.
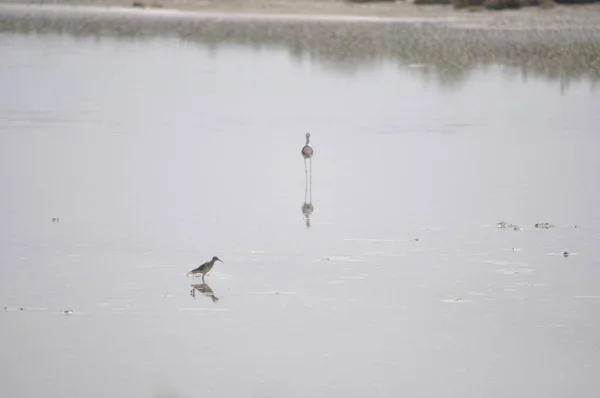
(408, 8)
(314, 7)
(448, 48)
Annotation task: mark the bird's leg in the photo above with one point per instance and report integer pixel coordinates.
(310, 181)
(305, 181)
(305, 169)
(203, 275)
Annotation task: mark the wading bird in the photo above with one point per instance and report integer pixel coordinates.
(307, 207)
(307, 150)
(204, 268)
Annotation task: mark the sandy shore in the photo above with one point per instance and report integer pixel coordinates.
(398, 9)
(315, 7)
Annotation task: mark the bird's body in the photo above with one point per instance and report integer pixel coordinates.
(307, 150)
(204, 268)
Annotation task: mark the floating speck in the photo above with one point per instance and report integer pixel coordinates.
(277, 292)
(458, 300)
(564, 254)
(515, 271)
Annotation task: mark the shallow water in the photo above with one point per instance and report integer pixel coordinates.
(156, 154)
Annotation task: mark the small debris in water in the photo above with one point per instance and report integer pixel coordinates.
(544, 225)
(456, 300)
(566, 254)
(22, 309)
(5, 309)
(68, 312)
(55, 219)
(504, 224)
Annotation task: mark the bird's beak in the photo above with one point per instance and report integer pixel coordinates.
(220, 260)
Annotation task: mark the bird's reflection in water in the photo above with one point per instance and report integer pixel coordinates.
(205, 290)
(307, 207)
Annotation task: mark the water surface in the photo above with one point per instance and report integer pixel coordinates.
(157, 153)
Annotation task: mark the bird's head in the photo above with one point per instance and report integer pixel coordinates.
(215, 258)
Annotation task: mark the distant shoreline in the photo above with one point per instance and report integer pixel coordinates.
(560, 44)
(216, 13)
(339, 10)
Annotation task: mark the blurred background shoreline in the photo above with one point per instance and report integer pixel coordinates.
(558, 44)
(559, 13)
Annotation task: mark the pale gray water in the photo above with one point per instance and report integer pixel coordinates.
(158, 154)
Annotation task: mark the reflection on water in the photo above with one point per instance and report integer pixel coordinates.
(446, 49)
(204, 289)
